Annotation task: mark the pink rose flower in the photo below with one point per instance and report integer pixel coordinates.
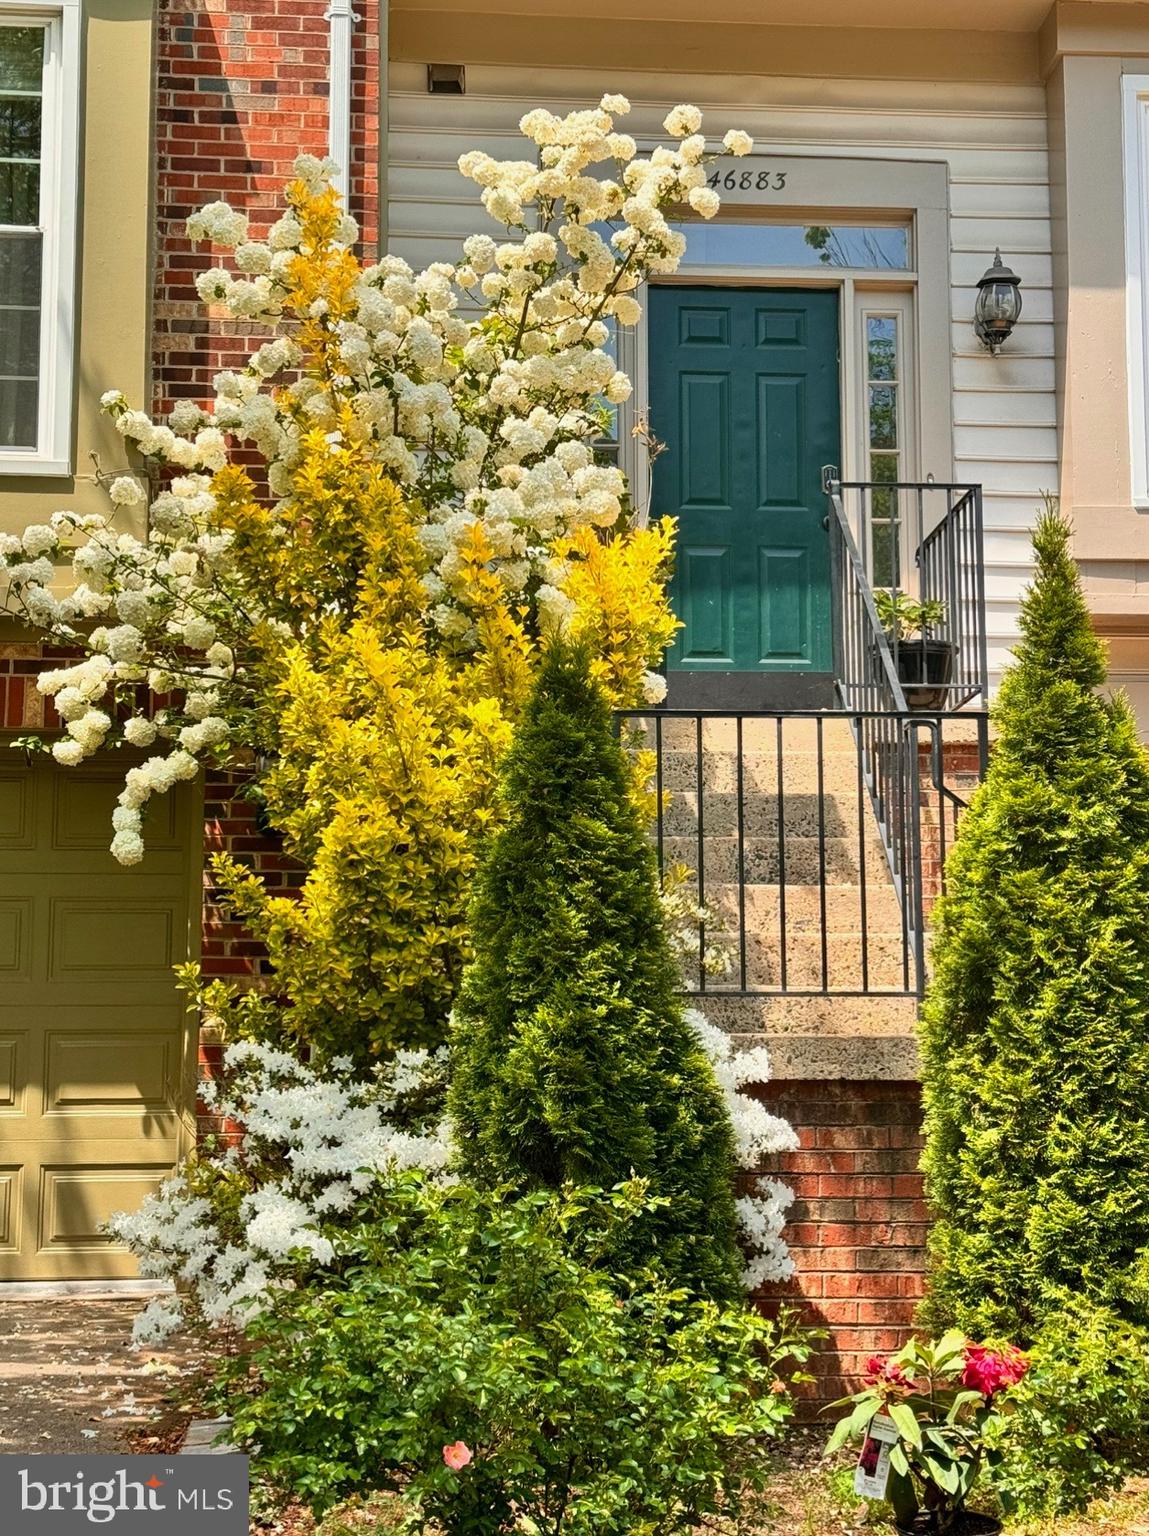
(990, 1370)
(457, 1456)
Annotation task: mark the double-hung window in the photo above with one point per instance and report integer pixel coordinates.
(39, 87)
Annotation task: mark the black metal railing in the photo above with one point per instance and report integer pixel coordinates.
(921, 541)
(766, 821)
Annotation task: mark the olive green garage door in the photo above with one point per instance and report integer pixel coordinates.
(96, 1053)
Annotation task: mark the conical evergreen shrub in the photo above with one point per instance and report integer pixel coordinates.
(1035, 1034)
(571, 1056)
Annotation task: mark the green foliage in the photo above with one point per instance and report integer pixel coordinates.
(1035, 1037)
(904, 616)
(946, 1400)
(583, 1403)
(1080, 1424)
(572, 1059)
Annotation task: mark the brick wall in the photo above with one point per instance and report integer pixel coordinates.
(229, 951)
(241, 90)
(22, 706)
(858, 1225)
(961, 774)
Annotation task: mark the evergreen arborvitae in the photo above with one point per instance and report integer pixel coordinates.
(1036, 1029)
(571, 1057)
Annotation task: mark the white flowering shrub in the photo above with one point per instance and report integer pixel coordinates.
(310, 1147)
(757, 1135)
(479, 387)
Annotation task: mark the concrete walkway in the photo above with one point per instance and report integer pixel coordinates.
(71, 1381)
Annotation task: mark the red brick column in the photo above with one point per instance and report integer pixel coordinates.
(242, 89)
(858, 1224)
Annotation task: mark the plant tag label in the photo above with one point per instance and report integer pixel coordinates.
(873, 1473)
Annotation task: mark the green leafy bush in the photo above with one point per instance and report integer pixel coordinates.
(572, 1060)
(1035, 1038)
(1080, 1424)
(474, 1352)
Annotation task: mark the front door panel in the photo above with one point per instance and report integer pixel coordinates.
(744, 393)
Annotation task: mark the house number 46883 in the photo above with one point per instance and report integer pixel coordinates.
(734, 180)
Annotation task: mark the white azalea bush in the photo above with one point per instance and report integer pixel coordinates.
(758, 1136)
(480, 388)
(307, 1147)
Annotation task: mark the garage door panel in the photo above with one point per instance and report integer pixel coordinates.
(13, 1072)
(15, 939)
(77, 1201)
(82, 806)
(94, 939)
(97, 1055)
(11, 1206)
(17, 809)
(117, 1073)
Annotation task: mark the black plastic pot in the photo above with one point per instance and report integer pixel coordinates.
(924, 667)
(966, 1524)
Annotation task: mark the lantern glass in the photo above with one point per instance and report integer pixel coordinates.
(998, 304)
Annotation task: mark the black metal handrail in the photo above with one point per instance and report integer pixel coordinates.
(925, 538)
(771, 813)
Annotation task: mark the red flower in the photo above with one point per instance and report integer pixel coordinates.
(881, 1372)
(989, 1370)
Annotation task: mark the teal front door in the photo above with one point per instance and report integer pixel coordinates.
(744, 394)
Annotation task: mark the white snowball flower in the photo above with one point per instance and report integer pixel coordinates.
(618, 389)
(683, 121)
(198, 633)
(70, 753)
(704, 201)
(139, 732)
(126, 491)
(219, 223)
(653, 687)
(127, 848)
(738, 142)
(757, 1134)
(37, 540)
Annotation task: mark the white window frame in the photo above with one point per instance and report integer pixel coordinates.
(59, 191)
(1135, 136)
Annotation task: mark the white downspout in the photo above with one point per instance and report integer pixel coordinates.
(341, 19)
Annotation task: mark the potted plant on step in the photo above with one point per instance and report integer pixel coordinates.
(924, 664)
(928, 1420)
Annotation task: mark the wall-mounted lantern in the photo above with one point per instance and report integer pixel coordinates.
(998, 303)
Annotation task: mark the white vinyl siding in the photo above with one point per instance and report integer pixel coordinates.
(993, 138)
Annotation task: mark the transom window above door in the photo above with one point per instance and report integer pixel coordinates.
(837, 247)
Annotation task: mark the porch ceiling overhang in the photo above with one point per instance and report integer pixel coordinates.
(903, 15)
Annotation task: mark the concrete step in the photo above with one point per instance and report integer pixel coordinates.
(806, 860)
(802, 815)
(719, 773)
(843, 910)
(883, 956)
(758, 734)
(781, 1017)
